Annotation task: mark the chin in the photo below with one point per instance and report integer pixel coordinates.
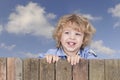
(71, 50)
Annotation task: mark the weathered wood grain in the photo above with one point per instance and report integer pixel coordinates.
(14, 69)
(31, 69)
(18, 69)
(80, 71)
(119, 69)
(96, 70)
(112, 69)
(47, 71)
(27, 69)
(3, 69)
(10, 68)
(39, 69)
(34, 68)
(63, 70)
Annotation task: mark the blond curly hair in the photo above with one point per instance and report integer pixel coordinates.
(83, 25)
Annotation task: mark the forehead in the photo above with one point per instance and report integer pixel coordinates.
(73, 25)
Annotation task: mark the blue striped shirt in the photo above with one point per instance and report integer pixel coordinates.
(86, 53)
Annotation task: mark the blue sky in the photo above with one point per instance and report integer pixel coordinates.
(26, 25)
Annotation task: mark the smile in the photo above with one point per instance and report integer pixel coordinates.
(71, 43)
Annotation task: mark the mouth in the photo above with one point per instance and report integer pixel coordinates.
(71, 43)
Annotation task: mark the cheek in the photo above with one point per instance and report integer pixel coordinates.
(80, 40)
(63, 39)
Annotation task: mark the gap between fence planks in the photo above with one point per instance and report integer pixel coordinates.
(39, 69)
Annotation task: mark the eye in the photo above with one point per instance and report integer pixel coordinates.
(77, 34)
(66, 32)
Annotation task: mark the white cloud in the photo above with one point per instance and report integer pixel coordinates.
(4, 46)
(90, 17)
(29, 54)
(117, 24)
(30, 19)
(118, 51)
(1, 28)
(115, 13)
(100, 48)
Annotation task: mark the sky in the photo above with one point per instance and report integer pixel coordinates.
(26, 25)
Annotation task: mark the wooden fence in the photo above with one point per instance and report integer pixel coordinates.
(38, 69)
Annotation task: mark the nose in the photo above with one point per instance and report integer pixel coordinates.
(72, 36)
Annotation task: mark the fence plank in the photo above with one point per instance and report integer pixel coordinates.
(47, 71)
(34, 68)
(10, 69)
(119, 69)
(63, 70)
(26, 69)
(39, 69)
(96, 70)
(2, 68)
(14, 69)
(18, 69)
(80, 71)
(112, 70)
(31, 68)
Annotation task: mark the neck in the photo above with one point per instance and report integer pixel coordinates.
(71, 53)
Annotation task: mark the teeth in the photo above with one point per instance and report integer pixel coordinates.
(71, 43)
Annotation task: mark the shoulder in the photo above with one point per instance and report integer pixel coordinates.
(52, 51)
(56, 51)
(92, 54)
(89, 53)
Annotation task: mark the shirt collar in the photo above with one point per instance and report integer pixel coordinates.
(60, 52)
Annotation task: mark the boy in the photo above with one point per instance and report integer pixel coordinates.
(72, 34)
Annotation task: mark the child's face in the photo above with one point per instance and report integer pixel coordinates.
(71, 39)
